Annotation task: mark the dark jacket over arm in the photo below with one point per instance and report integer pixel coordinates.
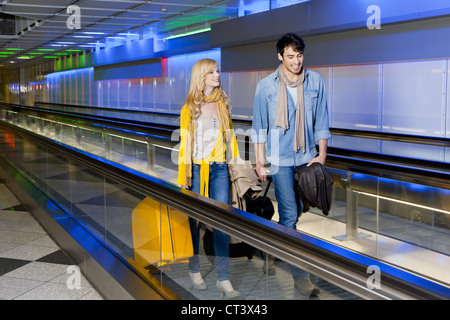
(314, 184)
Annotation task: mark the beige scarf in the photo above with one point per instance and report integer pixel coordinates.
(282, 118)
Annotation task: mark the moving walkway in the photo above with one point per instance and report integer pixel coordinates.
(86, 174)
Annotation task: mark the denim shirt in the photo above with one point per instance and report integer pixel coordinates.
(280, 147)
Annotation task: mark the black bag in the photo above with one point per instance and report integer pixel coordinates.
(240, 249)
(262, 207)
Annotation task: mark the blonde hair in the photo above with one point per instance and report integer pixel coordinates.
(195, 94)
(193, 102)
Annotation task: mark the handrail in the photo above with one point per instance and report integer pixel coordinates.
(125, 124)
(425, 172)
(436, 141)
(37, 103)
(331, 262)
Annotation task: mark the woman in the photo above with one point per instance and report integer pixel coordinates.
(206, 133)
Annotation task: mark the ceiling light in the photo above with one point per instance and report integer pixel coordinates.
(128, 34)
(88, 32)
(188, 33)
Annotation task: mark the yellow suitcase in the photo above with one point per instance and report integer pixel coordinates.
(161, 235)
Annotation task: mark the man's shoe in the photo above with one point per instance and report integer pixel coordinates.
(305, 287)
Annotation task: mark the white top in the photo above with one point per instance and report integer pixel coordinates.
(206, 131)
(293, 93)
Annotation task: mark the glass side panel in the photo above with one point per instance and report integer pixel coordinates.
(153, 238)
(393, 221)
(405, 224)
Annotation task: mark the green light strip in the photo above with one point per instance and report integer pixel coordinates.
(50, 57)
(74, 50)
(61, 54)
(7, 53)
(36, 53)
(15, 49)
(188, 33)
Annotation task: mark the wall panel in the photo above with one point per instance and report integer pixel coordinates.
(178, 80)
(135, 88)
(123, 87)
(447, 110)
(161, 89)
(243, 85)
(148, 94)
(355, 97)
(99, 89)
(412, 98)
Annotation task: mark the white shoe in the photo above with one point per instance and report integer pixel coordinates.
(225, 288)
(197, 281)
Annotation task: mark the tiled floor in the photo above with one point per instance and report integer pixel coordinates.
(32, 266)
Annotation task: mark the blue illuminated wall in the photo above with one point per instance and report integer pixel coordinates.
(165, 93)
(388, 97)
(407, 97)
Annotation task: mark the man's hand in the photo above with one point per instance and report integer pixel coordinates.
(261, 172)
(322, 153)
(319, 158)
(260, 168)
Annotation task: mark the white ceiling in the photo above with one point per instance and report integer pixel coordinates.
(105, 21)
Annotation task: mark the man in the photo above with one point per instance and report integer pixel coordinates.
(290, 116)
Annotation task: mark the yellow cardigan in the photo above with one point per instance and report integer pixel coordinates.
(218, 153)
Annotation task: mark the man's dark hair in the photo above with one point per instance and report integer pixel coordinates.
(290, 40)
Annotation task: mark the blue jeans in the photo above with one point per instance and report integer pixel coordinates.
(218, 190)
(289, 204)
